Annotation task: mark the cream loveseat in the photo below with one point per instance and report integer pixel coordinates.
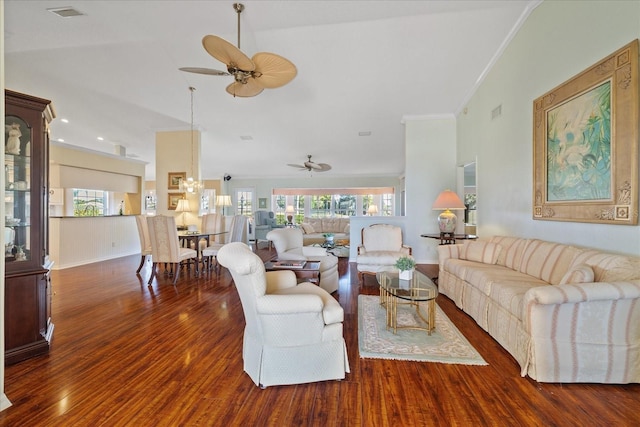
(566, 314)
(314, 228)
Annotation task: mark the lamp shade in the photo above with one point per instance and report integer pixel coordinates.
(447, 220)
(183, 206)
(289, 210)
(448, 200)
(223, 200)
(372, 210)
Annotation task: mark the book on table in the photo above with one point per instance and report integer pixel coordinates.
(289, 264)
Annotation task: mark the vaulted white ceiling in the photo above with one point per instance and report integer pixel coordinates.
(362, 67)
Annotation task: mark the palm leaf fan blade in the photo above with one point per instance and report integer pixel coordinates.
(273, 70)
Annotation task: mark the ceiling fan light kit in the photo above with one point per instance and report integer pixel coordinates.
(251, 75)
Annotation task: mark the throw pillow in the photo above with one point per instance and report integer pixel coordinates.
(484, 252)
(581, 273)
(307, 228)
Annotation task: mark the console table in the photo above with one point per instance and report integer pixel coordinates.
(450, 238)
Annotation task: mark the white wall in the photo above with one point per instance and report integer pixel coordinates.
(430, 169)
(558, 41)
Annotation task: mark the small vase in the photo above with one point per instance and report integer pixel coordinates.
(405, 274)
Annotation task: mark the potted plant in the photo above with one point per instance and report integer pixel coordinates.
(406, 265)
(328, 238)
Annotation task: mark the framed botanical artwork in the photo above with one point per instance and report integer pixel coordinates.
(262, 203)
(175, 178)
(173, 200)
(585, 142)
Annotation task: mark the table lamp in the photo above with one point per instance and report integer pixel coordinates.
(183, 206)
(224, 201)
(447, 201)
(372, 210)
(289, 212)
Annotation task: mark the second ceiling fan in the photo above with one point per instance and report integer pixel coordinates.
(251, 76)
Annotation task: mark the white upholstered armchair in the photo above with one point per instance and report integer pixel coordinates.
(380, 249)
(288, 243)
(293, 333)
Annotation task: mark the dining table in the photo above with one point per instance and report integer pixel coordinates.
(192, 238)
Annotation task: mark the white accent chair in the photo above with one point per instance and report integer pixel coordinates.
(165, 246)
(237, 233)
(293, 332)
(380, 249)
(145, 240)
(288, 243)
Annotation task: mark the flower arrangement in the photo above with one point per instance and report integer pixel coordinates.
(325, 235)
(405, 263)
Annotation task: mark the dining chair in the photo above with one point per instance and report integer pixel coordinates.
(237, 233)
(145, 241)
(165, 246)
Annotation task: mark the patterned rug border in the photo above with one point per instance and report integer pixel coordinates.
(375, 342)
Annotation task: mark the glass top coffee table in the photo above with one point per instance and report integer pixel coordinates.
(394, 291)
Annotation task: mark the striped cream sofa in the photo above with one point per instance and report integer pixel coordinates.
(566, 314)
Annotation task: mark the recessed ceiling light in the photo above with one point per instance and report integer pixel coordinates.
(60, 140)
(65, 12)
(64, 120)
(246, 137)
(364, 133)
(100, 138)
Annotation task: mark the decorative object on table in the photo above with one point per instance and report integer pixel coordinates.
(445, 344)
(289, 211)
(191, 185)
(251, 76)
(329, 239)
(372, 210)
(121, 208)
(585, 138)
(406, 265)
(175, 180)
(448, 200)
(182, 207)
(311, 166)
(223, 200)
(173, 200)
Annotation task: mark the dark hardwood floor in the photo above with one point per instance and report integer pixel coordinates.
(127, 354)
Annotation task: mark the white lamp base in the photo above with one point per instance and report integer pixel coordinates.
(447, 222)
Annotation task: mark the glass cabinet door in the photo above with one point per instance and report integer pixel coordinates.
(17, 179)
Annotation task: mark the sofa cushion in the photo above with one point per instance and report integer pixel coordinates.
(480, 251)
(307, 228)
(379, 257)
(609, 267)
(547, 260)
(581, 273)
(509, 294)
(483, 276)
(511, 253)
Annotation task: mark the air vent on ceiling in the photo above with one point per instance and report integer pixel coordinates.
(496, 112)
(66, 12)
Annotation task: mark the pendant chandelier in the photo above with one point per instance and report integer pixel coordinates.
(190, 185)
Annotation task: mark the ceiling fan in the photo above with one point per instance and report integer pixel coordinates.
(251, 76)
(312, 166)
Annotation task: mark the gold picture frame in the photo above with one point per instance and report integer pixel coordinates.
(585, 141)
(173, 200)
(175, 179)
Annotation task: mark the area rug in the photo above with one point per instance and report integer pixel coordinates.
(445, 345)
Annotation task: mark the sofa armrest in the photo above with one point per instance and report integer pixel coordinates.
(582, 292)
(446, 252)
(580, 306)
(280, 279)
(289, 304)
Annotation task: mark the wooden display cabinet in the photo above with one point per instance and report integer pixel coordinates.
(28, 327)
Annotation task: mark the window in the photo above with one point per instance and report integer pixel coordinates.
(89, 202)
(325, 203)
(244, 201)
